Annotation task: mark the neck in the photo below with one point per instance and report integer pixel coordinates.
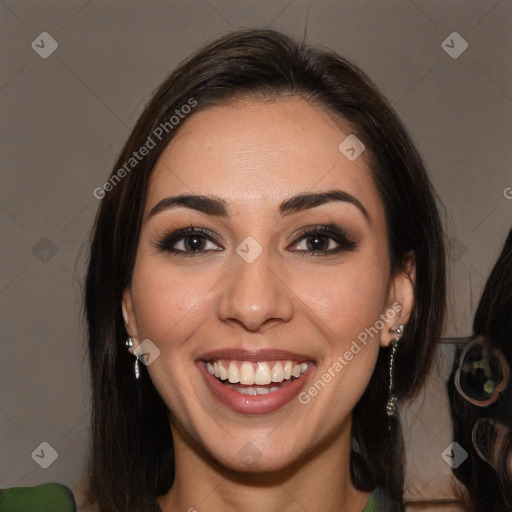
(318, 481)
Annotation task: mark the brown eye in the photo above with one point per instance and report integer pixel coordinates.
(188, 241)
(324, 240)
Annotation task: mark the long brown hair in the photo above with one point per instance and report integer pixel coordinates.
(132, 458)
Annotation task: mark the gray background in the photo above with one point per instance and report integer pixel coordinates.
(65, 118)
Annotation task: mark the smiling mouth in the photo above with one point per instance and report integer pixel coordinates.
(259, 378)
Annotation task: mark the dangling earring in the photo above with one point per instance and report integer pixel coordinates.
(391, 405)
(129, 343)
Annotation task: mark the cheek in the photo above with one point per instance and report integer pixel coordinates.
(168, 302)
(342, 301)
(348, 300)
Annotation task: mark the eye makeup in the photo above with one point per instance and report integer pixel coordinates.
(194, 238)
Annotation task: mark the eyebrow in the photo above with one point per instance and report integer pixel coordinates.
(216, 206)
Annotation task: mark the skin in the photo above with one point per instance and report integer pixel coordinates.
(255, 155)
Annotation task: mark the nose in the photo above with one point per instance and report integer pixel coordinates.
(255, 294)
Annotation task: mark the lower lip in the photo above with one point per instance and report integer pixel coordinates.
(253, 404)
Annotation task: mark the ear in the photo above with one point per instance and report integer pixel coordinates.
(400, 300)
(130, 321)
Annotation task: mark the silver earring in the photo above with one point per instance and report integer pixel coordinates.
(391, 405)
(136, 369)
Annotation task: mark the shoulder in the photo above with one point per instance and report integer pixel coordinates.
(50, 497)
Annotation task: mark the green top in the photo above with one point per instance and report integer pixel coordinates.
(373, 504)
(55, 497)
(50, 497)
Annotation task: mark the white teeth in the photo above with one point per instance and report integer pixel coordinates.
(233, 373)
(246, 374)
(253, 390)
(288, 367)
(262, 375)
(223, 372)
(247, 391)
(277, 373)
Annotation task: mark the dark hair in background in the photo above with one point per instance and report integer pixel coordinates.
(132, 458)
(493, 317)
(489, 488)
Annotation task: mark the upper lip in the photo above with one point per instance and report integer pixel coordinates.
(253, 355)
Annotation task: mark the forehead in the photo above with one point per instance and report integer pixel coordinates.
(254, 153)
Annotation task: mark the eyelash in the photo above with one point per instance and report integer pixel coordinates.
(331, 231)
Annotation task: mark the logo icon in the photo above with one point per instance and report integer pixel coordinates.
(454, 455)
(351, 147)
(45, 455)
(454, 45)
(249, 454)
(44, 250)
(249, 249)
(44, 45)
(147, 352)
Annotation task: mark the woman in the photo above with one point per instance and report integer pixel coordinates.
(480, 391)
(268, 248)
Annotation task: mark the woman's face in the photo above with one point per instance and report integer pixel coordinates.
(254, 288)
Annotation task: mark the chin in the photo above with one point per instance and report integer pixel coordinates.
(252, 457)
